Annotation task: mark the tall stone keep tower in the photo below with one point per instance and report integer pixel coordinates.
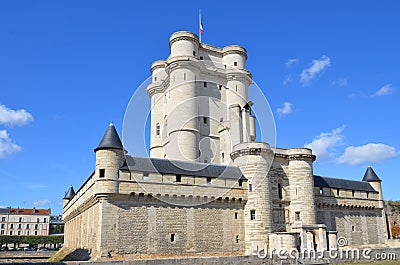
(199, 100)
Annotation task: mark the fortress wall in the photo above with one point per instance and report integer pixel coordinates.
(359, 227)
(139, 225)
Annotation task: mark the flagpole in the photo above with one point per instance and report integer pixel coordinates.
(200, 25)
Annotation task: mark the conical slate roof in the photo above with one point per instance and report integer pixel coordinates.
(70, 193)
(370, 176)
(110, 139)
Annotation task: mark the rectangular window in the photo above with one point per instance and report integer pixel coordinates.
(194, 53)
(235, 63)
(11, 226)
(11, 233)
(353, 228)
(237, 239)
(158, 129)
(297, 216)
(205, 84)
(178, 178)
(19, 233)
(172, 237)
(208, 180)
(367, 194)
(145, 176)
(338, 192)
(353, 193)
(201, 57)
(35, 233)
(20, 219)
(321, 191)
(280, 195)
(252, 214)
(45, 220)
(27, 226)
(250, 187)
(2, 232)
(36, 226)
(236, 215)
(240, 181)
(19, 226)
(2, 226)
(102, 173)
(37, 220)
(3, 219)
(27, 233)
(205, 120)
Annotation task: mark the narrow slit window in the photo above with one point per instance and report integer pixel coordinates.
(252, 215)
(280, 194)
(236, 215)
(338, 192)
(194, 53)
(158, 129)
(250, 187)
(172, 237)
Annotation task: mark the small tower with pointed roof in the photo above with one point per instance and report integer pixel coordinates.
(110, 156)
(372, 178)
(68, 196)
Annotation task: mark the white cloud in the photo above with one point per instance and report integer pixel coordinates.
(40, 202)
(341, 82)
(287, 79)
(287, 108)
(383, 91)
(291, 61)
(369, 153)
(324, 145)
(14, 117)
(317, 65)
(7, 145)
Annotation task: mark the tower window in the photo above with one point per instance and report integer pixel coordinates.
(158, 129)
(155, 78)
(338, 192)
(172, 237)
(194, 53)
(178, 178)
(353, 228)
(145, 176)
(250, 187)
(201, 57)
(280, 195)
(321, 191)
(219, 87)
(208, 180)
(235, 63)
(205, 84)
(240, 182)
(297, 216)
(205, 120)
(353, 193)
(102, 173)
(252, 214)
(237, 239)
(236, 215)
(223, 156)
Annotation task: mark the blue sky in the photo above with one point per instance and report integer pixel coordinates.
(329, 70)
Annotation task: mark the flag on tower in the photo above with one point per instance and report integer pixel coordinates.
(200, 25)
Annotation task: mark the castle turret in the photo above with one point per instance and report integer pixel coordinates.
(372, 178)
(110, 156)
(301, 179)
(181, 120)
(254, 160)
(68, 196)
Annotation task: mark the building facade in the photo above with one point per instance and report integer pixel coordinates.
(24, 222)
(209, 186)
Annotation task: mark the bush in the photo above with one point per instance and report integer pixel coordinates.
(31, 240)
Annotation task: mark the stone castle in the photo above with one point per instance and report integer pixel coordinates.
(208, 186)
